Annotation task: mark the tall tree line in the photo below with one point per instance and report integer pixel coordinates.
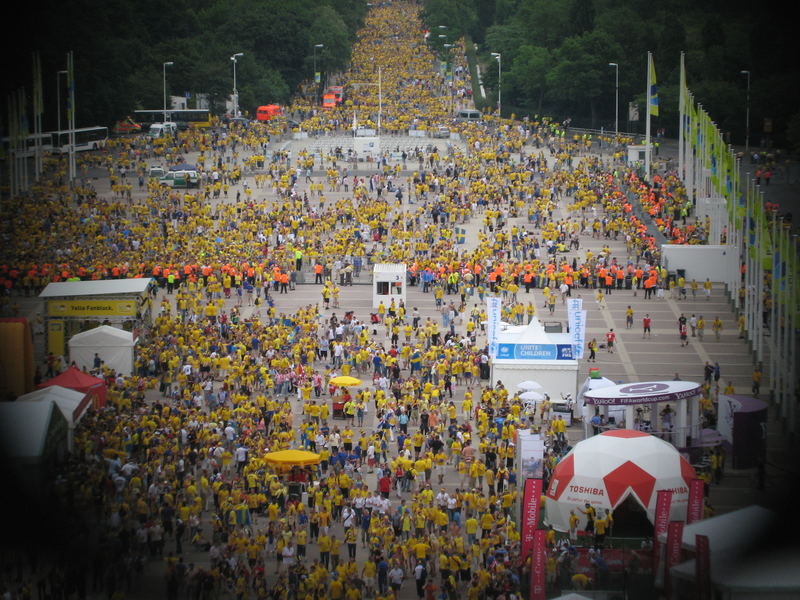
(555, 56)
(120, 47)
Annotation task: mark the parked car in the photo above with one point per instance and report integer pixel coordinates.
(180, 179)
(156, 171)
(441, 132)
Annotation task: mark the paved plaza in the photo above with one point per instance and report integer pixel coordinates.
(660, 357)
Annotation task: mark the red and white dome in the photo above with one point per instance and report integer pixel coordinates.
(607, 468)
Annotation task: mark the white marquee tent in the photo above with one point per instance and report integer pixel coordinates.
(113, 345)
(71, 403)
(607, 468)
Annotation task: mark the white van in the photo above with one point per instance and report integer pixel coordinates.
(468, 115)
(158, 130)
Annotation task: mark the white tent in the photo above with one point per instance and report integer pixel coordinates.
(607, 468)
(528, 353)
(72, 404)
(32, 431)
(114, 346)
(736, 570)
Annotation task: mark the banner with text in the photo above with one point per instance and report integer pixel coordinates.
(535, 352)
(538, 590)
(576, 319)
(660, 522)
(702, 562)
(694, 511)
(530, 514)
(674, 542)
(493, 307)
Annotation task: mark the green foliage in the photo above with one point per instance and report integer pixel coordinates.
(119, 49)
(556, 55)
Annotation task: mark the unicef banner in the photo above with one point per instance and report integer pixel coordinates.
(535, 352)
(493, 306)
(576, 318)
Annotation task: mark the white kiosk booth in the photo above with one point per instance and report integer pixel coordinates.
(529, 352)
(388, 283)
(681, 396)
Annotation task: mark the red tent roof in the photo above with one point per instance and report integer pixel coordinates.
(75, 379)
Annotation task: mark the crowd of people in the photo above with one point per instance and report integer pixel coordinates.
(181, 469)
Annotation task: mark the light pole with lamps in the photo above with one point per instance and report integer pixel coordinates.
(616, 97)
(235, 91)
(166, 64)
(58, 99)
(747, 116)
(499, 58)
(316, 83)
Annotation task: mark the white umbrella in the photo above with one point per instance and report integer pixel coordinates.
(529, 385)
(531, 396)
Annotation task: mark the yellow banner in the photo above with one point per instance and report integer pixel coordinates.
(55, 337)
(91, 308)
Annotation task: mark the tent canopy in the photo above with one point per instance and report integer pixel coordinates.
(71, 403)
(102, 337)
(24, 427)
(113, 345)
(292, 458)
(606, 469)
(77, 380)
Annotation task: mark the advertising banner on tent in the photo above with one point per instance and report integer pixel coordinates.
(702, 563)
(537, 566)
(674, 541)
(493, 306)
(534, 351)
(646, 392)
(661, 521)
(530, 514)
(694, 510)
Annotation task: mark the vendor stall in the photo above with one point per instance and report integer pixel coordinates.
(674, 403)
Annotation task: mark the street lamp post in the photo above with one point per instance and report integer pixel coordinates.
(316, 83)
(235, 91)
(166, 64)
(616, 97)
(58, 99)
(747, 116)
(499, 58)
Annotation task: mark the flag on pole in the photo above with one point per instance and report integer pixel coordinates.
(653, 88)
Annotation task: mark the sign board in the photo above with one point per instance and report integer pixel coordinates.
(535, 352)
(647, 392)
(91, 308)
(530, 514)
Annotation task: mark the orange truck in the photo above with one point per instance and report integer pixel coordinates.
(268, 112)
(329, 101)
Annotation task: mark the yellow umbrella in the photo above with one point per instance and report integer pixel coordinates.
(345, 381)
(292, 457)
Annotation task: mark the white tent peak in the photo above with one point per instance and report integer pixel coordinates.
(102, 336)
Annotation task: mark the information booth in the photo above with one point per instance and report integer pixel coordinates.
(76, 306)
(388, 283)
(680, 424)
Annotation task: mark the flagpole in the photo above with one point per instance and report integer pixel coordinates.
(682, 124)
(760, 282)
(647, 153)
(774, 375)
(748, 267)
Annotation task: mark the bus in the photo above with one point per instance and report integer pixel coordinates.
(268, 112)
(86, 138)
(194, 118)
(29, 148)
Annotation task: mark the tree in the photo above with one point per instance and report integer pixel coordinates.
(527, 77)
